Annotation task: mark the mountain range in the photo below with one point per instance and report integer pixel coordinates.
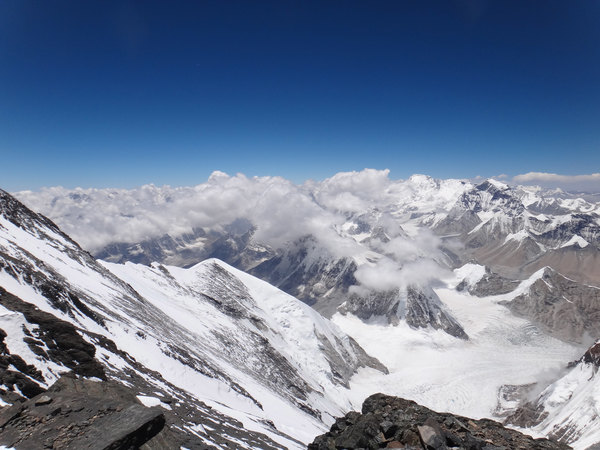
(255, 311)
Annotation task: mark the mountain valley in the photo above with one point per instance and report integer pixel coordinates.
(254, 312)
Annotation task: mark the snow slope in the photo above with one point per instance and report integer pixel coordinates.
(569, 408)
(363, 229)
(448, 374)
(320, 357)
(241, 351)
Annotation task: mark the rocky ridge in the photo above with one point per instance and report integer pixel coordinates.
(76, 413)
(418, 306)
(392, 422)
(566, 309)
(197, 341)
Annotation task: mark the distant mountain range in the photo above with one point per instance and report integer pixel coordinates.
(190, 296)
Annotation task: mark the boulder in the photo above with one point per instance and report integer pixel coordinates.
(77, 413)
(392, 422)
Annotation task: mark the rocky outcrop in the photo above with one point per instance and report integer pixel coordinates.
(391, 422)
(419, 306)
(490, 284)
(79, 413)
(309, 273)
(566, 309)
(54, 339)
(424, 308)
(592, 356)
(25, 379)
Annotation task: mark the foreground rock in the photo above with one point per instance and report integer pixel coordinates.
(79, 413)
(391, 422)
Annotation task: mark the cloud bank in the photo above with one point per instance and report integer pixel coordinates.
(283, 212)
(96, 217)
(572, 183)
(280, 210)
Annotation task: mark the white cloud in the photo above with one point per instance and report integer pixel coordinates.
(406, 261)
(589, 183)
(281, 211)
(387, 274)
(352, 191)
(384, 275)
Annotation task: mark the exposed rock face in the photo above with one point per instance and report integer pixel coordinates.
(584, 225)
(54, 339)
(458, 221)
(425, 308)
(579, 264)
(420, 307)
(309, 273)
(491, 284)
(79, 413)
(567, 309)
(592, 356)
(26, 378)
(391, 422)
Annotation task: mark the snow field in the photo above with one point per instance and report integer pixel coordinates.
(448, 374)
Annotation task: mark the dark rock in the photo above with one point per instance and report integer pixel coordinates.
(417, 427)
(420, 307)
(25, 378)
(424, 308)
(129, 428)
(432, 437)
(592, 356)
(78, 413)
(492, 284)
(563, 308)
(64, 343)
(43, 400)
(388, 428)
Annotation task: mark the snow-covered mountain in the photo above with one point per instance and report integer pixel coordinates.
(230, 357)
(564, 308)
(569, 408)
(487, 288)
(319, 240)
(517, 231)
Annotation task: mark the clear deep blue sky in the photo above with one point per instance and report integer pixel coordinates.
(125, 93)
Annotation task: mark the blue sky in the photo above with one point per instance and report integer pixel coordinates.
(127, 93)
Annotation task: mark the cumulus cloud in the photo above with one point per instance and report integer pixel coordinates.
(353, 191)
(96, 217)
(424, 244)
(586, 183)
(281, 211)
(406, 260)
(387, 274)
